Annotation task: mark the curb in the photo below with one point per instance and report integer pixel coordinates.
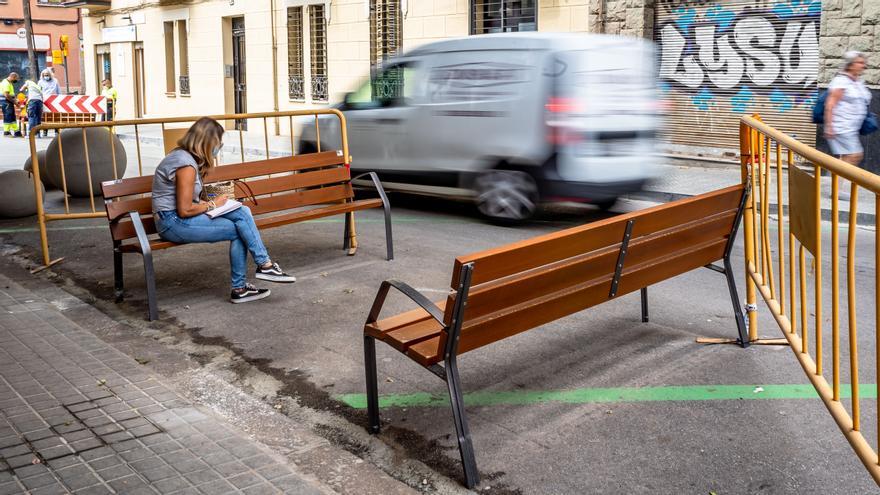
(862, 219)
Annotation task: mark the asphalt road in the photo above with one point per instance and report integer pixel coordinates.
(308, 337)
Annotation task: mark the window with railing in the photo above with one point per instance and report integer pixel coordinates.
(296, 89)
(46, 3)
(385, 30)
(502, 16)
(318, 52)
(183, 57)
(170, 79)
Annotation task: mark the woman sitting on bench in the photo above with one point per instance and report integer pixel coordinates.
(180, 211)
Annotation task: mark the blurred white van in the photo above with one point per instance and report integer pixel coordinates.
(508, 119)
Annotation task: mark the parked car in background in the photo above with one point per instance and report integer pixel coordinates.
(509, 120)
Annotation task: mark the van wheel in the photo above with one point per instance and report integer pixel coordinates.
(506, 195)
(606, 204)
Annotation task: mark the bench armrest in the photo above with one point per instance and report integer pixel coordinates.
(409, 292)
(139, 230)
(377, 185)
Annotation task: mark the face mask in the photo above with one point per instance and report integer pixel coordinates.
(47, 78)
(216, 151)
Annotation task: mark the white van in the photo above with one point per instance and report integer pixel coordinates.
(508, 120)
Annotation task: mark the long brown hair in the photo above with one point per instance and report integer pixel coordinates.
(200, 140)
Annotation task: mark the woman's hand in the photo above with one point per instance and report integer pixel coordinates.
(828, 131)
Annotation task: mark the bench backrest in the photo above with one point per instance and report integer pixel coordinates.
(296, 181)
(532, 282)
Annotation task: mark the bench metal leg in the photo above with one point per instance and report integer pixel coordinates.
(149, 274)
(118, 283)
(468, 461)
(737, 309)
(644, 293)
(372, 383)
(346, 241)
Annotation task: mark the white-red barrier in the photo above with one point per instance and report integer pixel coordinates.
(75, 104)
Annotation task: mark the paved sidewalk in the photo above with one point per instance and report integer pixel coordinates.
(78, 416)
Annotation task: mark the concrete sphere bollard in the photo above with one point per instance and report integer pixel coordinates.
(17, 191)
(29, 168)
(100, 160)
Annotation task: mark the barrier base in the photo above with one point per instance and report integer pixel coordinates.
(51, 263)
(760, 341)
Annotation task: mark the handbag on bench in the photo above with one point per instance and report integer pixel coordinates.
(227, 188)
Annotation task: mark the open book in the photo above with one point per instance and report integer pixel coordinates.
(229, 205)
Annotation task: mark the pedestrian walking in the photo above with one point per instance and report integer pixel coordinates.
(7, 104)
(110, 93)
(846, 108)
(181, 210)
(34, 95)
(49, 86)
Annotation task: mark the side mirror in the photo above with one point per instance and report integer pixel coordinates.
(346, 101)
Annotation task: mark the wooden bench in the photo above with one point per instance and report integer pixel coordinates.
(503, 291)
(303, 187)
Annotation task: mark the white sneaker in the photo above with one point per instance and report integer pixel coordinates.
(274, 274)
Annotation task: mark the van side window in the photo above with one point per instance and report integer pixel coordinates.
(393, 86)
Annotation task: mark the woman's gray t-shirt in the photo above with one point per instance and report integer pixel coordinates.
(164, 192)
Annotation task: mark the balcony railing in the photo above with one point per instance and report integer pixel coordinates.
(184, 85)
(319, 88)
(296, 87)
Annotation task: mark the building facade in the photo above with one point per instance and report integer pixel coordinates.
(50, 20)
(717, 59)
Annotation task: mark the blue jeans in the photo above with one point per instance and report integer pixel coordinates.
(237, 226)
(34, 113)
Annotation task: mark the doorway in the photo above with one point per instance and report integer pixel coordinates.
(140, 92)
(102, 66)
(239, 79)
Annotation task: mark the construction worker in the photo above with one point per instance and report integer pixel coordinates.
(109, 92)
(34, 94)
(7, 104)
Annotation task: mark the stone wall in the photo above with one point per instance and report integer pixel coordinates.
(849, 25)
(629, 17)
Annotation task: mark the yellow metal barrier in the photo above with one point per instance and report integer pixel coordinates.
(764, 151)
(89, 211)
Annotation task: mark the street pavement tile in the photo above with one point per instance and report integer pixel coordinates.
(55, 452)
(171, 485)
(144, 431)
(70, 426)
(105, 462)
(39, 435)
(98, 421)
(159, 473)
(217, 488)
(136, 454)
(5, 477)
(56, 489)
(231, 468)
(63, 462)
(203, 476)
(258, 461)
(19, 461)
(146, 464)
(9, 441)
(218, 458)
(151, 409)
(294, 484)
(86, 444)
(273, 471)
(122, 441)
(38, 481)
(10, 488)
(97, 453)
(31, 470)
(14, 451)
(189, 466)
(127, 484)
(261, 489)
(115, 472)
(77, 435)
(165, 448)
(80, 406)
(245, 480)
(94, 490)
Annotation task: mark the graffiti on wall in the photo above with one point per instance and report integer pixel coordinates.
(765, 48)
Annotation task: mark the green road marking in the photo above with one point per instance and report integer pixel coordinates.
(605, 395)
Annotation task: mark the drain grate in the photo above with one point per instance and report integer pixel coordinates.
(85, 425)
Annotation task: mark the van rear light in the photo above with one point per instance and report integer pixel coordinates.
(563, 105)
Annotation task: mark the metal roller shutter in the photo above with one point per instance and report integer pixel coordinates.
(720, 59)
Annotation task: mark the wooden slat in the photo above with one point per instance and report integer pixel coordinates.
(298, 199)
(141, 185)
(379, 328)
(404, 337)
(292, 182)
(116, 209)
(273, 166)
(155, 245)
(542, 250)
(127, 187)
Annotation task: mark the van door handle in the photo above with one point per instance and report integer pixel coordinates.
(388, 120)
